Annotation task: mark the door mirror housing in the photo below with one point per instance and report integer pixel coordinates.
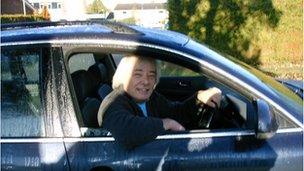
(266, 125)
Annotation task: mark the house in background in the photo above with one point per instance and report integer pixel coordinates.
(16, 7)
(152, 15)
(55, 7)
(147, 13)
(62, 9)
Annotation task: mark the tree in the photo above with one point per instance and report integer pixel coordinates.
(231, 26)
(96, 7)
(45, 13)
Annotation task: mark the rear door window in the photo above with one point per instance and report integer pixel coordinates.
(21, 102)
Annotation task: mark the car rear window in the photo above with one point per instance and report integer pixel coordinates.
(81, 61)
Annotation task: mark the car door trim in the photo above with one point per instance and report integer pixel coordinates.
(192, 135)
(100, 42)
(31, 140)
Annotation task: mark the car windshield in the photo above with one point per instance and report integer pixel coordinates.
(294, 101)
(272, 83)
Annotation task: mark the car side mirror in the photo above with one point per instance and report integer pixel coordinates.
(266, 125)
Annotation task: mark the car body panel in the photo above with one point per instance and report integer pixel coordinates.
(294, 85)
(235, 149)
(33, 154)
(210, 153)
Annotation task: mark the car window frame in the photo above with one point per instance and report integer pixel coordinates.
(87, 132)
(109, 49)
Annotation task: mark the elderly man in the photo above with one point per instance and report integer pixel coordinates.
(135, 114)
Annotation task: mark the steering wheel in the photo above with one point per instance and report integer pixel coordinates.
(206, 116)
(223, 116)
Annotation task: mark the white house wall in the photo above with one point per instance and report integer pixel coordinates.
(153, 18)
(69, 9)
(123, 14)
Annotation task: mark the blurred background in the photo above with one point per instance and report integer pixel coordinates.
(267, 34)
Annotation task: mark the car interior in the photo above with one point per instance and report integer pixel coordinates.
(91, 74)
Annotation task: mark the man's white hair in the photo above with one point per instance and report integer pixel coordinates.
(125, 68)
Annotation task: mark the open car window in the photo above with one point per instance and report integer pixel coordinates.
(177, 83)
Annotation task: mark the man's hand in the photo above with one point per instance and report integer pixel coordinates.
(210, 96)
(170, 124)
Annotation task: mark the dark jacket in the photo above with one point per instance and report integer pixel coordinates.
(120, 115)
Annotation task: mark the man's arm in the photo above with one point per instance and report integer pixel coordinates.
(186, 112)
(182, 112)
(130, 130)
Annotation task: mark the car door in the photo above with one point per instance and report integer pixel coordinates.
(199, 149)
(31, 135)
(222, 149)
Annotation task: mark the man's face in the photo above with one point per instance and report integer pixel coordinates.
(142, 80)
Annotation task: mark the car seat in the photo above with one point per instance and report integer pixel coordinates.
(88, 104)
(100, 76)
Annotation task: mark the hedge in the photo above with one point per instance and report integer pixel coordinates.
(20, 18)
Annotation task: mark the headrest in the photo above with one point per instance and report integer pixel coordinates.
(82, 81)
(99, 73)
(103, 91)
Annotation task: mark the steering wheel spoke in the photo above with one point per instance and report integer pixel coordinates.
(219, 117)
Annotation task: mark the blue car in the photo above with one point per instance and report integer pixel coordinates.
(54, 76)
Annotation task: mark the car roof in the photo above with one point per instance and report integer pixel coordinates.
(30, 31)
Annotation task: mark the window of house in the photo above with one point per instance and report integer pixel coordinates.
(54, 5)
(59, 5)
(21, 101)
(36, 5)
